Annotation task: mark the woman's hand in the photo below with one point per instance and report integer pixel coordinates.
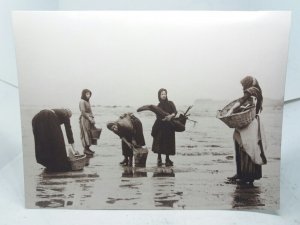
(75, 152)
(92, 120)
(129, 144)
(134, 144)
(168, 117)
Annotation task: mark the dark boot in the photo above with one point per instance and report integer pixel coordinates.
(124, 162)
(233, 178)
(88, 152)
(159, 161)
(169, 162)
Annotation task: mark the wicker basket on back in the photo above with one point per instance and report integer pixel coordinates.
(239, 119)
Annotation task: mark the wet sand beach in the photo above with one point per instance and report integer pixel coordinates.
(203, 161)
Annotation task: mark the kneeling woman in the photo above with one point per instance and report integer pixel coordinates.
(250, 141)
(50, 148)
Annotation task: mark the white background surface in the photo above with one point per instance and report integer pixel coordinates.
(12, 209)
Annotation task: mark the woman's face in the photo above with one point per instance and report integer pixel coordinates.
(88, 95)
(163, 95)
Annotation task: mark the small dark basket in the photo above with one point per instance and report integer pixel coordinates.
(96, 133)
(140, 156)
(237, 120)
(94, 141)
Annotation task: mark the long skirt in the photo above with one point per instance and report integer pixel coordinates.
(163, 138)
(246, 169)
(50, 148)
(85, 132)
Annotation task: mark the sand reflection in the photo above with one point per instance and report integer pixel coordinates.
(134, 172)
(164, 184)
(63, 189)
(247, 196)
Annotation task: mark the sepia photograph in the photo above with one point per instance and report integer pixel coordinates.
(152, 109)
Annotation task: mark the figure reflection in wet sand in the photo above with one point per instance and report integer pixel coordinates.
(133, 172)
(163, 172)
(164, 186)
(54, 190)
(130, 129)
(50, 148)
(247, 196)
(250, 141)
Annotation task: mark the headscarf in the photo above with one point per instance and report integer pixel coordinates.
(83, 94)
(166, 105)
(248, 82)
(251, 85)
(159, 93)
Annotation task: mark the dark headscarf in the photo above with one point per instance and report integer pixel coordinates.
(248, 82)
(166, 105)
(159, 93)
(83, 94)
(251, 85)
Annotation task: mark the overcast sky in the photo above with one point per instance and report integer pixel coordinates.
(125, 57)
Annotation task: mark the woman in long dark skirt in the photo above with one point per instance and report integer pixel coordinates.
(248, 169)
(162, 132)
(50, 148)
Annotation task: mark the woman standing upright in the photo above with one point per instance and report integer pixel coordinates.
(86, 121)
(162, 132)
(249, 144)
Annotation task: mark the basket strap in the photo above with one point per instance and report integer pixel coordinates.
(262, 154)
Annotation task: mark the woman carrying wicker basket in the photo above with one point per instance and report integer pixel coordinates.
(249, 141)
(86, 121)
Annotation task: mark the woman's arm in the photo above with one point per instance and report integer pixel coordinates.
(173, 108)
(88, 116)
(75, 152)
(240, 102)
(173, 114)
(130, 145)
(83, 109)
(236, 105)
(69, 132)
(169, 117)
